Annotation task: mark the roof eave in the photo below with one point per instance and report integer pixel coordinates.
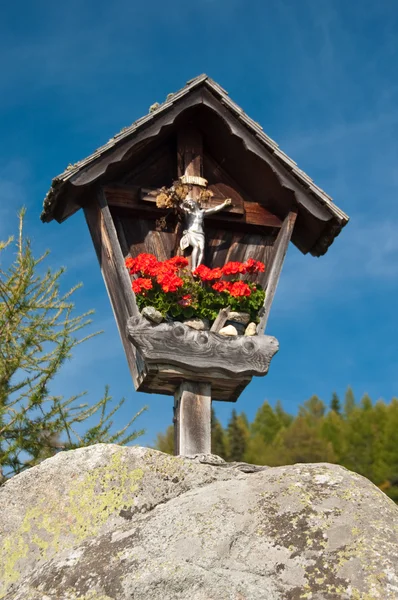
(339, 218)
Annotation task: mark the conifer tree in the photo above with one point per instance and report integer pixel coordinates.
(333, 429)
(302, 443)
(366, 402)
(165, 441)
(237, 436)
(335, 403)
(312, 409)
(266, 423)
(391, 449)
(284, 417)
(349, 402)
(218, 442)
(38, 331)
(365, 434)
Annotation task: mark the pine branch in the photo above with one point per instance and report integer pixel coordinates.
(39, 329)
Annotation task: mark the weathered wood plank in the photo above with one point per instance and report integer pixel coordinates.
(255, 214)
(156, 169)
(274, 271)
(112, 245)
(192, 414)
(150, 194)
(189, 152)
(141, 235)
(224, 246)
(115, 276)
(180, 345)
(142, 201)
(162, 378)
(221, 183)
(221, 319)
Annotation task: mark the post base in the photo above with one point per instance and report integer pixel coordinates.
(192, 419)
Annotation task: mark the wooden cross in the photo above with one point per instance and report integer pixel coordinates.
(192, 400)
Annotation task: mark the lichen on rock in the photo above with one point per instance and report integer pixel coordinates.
(107, 523)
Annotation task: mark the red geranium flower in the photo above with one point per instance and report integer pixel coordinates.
(177, 262)
(206, 274)
(185, 300)
(140, 284)
(254, 266)
(143, 263)
(202, 272)
(129, 262)
(169, 282)
(222, 286)
(215, 274)
(240, 288)
(233, 268)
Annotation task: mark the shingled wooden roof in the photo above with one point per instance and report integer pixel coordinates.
(314, 205)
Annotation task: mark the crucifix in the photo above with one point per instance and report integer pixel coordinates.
(193, 234)
(190, 171)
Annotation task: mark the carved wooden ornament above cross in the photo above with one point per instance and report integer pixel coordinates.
(246, 200)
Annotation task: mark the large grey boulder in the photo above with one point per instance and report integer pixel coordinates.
(108, 522)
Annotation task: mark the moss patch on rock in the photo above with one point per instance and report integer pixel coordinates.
(50, 527)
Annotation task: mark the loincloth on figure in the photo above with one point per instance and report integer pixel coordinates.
(195, 239)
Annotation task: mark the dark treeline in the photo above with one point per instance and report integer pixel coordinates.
(362, 436)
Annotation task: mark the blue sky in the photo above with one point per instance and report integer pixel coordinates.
(321, 78)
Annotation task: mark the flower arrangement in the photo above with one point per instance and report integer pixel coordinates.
(178, 293)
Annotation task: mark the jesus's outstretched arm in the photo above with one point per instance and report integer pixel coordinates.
(215, 209)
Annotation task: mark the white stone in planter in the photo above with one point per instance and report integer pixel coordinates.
(251, 329)
(228, 330)
(198, 324)
(150, 313)
(239, 317)
(240, 328)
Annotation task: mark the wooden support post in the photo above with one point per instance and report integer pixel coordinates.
(277, 260)
(192, 401)
(189, 152)
(192, 419)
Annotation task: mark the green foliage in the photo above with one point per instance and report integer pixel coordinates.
(205, 302)
(364, 438)
(349, 402)
(237, 437)
(165, 441)
(312, 410)
(266, 423)
(38, 331)
(335, 403)
(333, 430)
(283, 416)
(301, 442)
(218, 437)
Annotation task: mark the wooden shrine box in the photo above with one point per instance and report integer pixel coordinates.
(197, 132)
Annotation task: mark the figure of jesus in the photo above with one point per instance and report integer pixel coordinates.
(193, 234)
